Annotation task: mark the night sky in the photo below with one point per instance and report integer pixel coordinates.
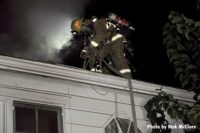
(37, 30)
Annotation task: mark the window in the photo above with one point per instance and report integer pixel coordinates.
(120, 125)
(34, 118)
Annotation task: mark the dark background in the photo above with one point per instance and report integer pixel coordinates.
(19, 37)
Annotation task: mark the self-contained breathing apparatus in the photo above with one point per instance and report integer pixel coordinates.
(120, 21)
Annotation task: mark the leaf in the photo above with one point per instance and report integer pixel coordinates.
(170, 16)
(165, 105)
(191, 114)
(176, 20)
(162, 93)
(184, 56)
(194, 76)
(158, 108)
(180, 115)
(167, 38)
(191, 67)
(170, 97)
(196, 107)
(179, 28)
(189, 21)
(197, 117)
(180, 48)
(178, 69)
(152, 116)
(196, 54)
(187, 35)
(170, 52)
(183, 106)
(181, 77)
(174, 57)
(178, 74)
(178, 64)
(185, 83)
(172, 113)
(197, 24)
(148, 106)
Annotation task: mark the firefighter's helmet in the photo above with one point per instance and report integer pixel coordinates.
(76, 25)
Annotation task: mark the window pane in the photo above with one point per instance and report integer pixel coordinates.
(47, 121)
(25, 120)
(124, 124)
(111, 127)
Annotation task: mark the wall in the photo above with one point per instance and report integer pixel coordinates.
(89, 100)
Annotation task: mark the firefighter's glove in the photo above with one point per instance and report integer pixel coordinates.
(84, 54)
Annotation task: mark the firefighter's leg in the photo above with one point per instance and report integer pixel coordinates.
(103, 53)
(106, 66)
(119, 59)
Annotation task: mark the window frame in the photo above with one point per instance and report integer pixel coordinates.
(36, 107)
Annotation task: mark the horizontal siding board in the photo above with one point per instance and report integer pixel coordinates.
(105, 107)
(87, 91)
(140, 99)
(28, 95)
(85, 118)
(74, 128)
(106, 94)
(99, 119)
(92, 104)
(33, 82)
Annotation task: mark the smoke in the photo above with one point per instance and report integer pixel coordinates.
(38, 30)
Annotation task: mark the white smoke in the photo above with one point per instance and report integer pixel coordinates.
(44, 27)
(54, 26)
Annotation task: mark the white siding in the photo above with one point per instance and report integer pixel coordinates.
(93, 106)
(83, 129)
(89, 100)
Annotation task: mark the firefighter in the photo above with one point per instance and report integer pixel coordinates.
(103, 41)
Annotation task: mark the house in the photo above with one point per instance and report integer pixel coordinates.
(38, 97)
